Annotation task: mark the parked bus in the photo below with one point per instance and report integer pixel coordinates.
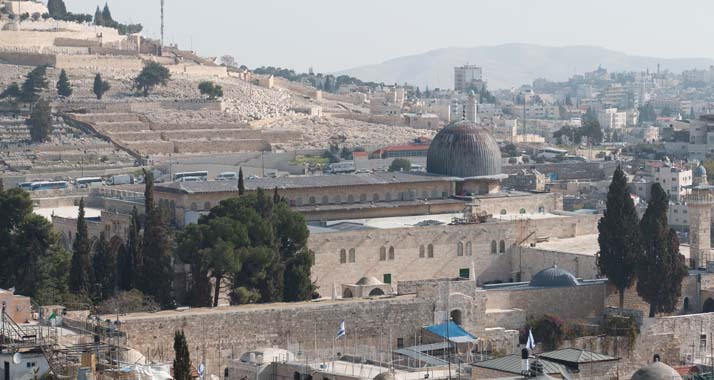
(227, 176)
(25, 185)
(341, 167)
(121, 179)
(88, 182)
(49, 185)
(202, 175)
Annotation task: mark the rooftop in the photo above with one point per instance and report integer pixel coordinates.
(69, 212)
(575, 356)
(298, 182)
(584, 245)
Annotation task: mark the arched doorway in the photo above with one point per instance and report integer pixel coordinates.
(455, 316)
(347, 294)
(708, 306)
(685, 306)
(376, 292)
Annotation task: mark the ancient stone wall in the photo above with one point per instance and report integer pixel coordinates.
(529, 261)
(27, 59)
(572, 302)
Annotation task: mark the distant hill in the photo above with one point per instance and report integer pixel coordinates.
(512, 65)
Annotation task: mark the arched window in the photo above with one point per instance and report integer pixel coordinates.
(459, 249)
(541, 209)
(430, 251)
(468, 249)
(391, 253)
(494, 247)
(207, 206)
(343, 256)
(312, 200)
(325, 199)
(504, 212)
(338, 199)
(352, 255)
(522, 211)
(350, 198)
(388, 197)
(363, 197)
(422, 251)
(375, 197)
(382, 253)
(194, 206)
(502, 247)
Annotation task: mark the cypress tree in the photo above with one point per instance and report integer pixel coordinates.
(132, 261)
(182, 359)
(156, 274)
(80, 271)
(276, 196)
(619, 238)
(63, 86)
(35, 82)
(104, 263)
(241, 183)
(661, 268)
(100, 86)
(98, 18)
(40, 121)
(106, 14)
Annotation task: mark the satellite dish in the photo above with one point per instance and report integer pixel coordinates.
(17, 358)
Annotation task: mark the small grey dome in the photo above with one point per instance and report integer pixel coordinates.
(464, 149)
(656, 371)
(369, 281)
(553, 277)
(700, 171)
(384, 376)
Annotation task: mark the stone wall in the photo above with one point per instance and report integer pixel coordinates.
(99, 63)
(573, 302)
(27, 59)
(566, 171)
(530, 261)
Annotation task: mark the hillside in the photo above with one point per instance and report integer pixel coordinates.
(513, 64)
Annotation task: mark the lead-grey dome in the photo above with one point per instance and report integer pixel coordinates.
(700, 171)
(464, 149)
(553, 277)
(656, 371)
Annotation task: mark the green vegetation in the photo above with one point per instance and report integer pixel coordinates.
(549, 331)
(100, 86)
(58, 11)
(132, 301)
(80, 275)
(400, 165)
(261, 245)
(156, 274)
(11, 91)
(619, 238)
(104, 266)
(104, 18)
(182, 360)
(35, 83)
(241, 182)
(40, 121)
(63, 86)
(152, 75)
(328, 83)
(661, 268)
(590, 130)
(212, 90)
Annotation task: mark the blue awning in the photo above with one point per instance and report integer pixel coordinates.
(452, 332)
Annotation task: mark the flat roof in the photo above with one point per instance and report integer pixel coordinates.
(69, 212)
(301, 182)
(584, 245)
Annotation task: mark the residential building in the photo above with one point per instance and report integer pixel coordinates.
(611, 118)
(467, 77)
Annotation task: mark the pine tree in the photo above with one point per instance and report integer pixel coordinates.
(40, 121)
(106, 14)
(98, 18)
(63, 86)
(80, 272)
(619, 239)
(661, 268)
(182, 359)
(35, 82)
(241, 183)
(104, 263)
(157, 274)
(100, 86)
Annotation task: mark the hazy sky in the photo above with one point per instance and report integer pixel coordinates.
(330, 35)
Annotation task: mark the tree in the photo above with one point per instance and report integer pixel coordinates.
(182, 359)
(63, 86)
(56, 9)
(228, 61)
(131, 262)
(80, 271)
(11, 91)
(151, 75)
(661, 268)
(98, 18)
(619, 236)
(104, 263)
(212, 90)
(106, 14)
(400, 165)
(40, 121)
(647, 113)
(157, 273)
(100, 86)
(241, 183)
(35, 82)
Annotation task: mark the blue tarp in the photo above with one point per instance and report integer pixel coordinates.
(455, 334)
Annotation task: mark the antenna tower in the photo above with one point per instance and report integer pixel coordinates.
(162, 23)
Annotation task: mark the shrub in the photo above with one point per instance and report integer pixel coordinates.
(549, 331)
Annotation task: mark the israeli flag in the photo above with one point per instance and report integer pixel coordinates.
(531, 342)
(341, 331)
(201, 370)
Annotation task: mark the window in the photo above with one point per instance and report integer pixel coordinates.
(382, 254)
(343, 256)
(387, 278)
(391, 253)
(459, 249)
(352, 255)
(422, 251)
(350, 198)
(388, 197)
(430, 251)
(312, 200)
(363, 197)
(494, 247)
(338, 199)
(522, 211)
(703, 342)
(194, 206)
(375, 197)
(502, 247)
(468, 248)
(464, 273)
(504, 212)
(325, 199)
(400, 342)
(207, 206)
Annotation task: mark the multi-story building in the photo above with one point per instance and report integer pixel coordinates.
(610, 118)
(467, 77)
(674, 179)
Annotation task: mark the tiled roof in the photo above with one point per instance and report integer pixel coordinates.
(575, 356)
(512, 364)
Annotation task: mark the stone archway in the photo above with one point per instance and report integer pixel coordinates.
(708, 306)
(376, 292)
(456, 316)
(347, 294)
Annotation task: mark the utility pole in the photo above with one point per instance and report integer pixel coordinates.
(162, 27)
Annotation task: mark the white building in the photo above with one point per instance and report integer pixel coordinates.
(467, 76)
(610, 118)
(674, 179)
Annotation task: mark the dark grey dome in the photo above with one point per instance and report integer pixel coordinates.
(553, 277)
(464, 149)
(656, 371)
(700, 171)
